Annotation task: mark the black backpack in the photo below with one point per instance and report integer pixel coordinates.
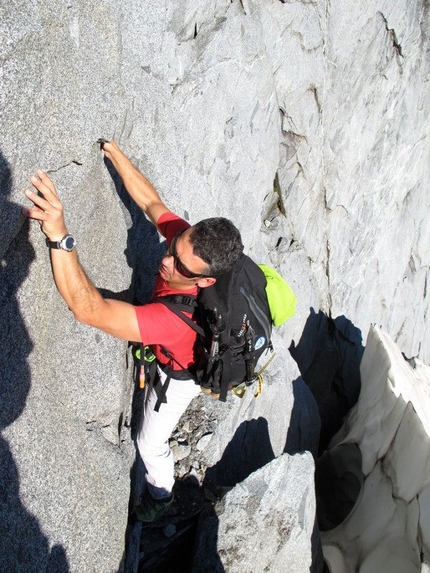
(234, 324)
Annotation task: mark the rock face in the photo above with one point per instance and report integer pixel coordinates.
(387, 530)
(304, 122)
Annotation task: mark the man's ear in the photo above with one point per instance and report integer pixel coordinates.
(205, 282)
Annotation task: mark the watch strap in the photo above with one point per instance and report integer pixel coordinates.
(53, 244)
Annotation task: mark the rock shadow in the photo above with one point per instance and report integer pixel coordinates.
(338, 484)
(303, 434)
(143, 251)
(23, 546)
(305, 423)
(206, 556)
(170, 545)
(328, 356)
(249, 450)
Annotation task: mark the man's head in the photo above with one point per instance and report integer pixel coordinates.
(218, 243)
(198, 255)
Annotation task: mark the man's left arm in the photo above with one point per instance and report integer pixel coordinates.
(84, 300)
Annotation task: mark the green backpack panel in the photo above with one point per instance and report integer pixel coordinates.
(280, 296)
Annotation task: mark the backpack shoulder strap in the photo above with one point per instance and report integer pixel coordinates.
(179, 304)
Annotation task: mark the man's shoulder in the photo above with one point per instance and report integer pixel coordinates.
(169, 224)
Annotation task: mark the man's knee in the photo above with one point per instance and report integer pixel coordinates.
(152, 449)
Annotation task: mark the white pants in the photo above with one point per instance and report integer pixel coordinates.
(156, 429)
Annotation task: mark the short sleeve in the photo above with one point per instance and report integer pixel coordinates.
(170, 224)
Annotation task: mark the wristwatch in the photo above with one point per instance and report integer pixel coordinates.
(67, 243)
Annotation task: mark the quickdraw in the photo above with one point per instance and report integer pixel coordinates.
(240, 390)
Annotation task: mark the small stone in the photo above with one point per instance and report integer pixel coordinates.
(203, 442)
(180, 452)
(187, 427)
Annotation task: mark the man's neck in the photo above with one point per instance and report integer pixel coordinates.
(181, 286)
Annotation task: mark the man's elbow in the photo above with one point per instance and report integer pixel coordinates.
(88, 316)
(83, 317)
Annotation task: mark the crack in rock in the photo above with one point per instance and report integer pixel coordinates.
(392, 33)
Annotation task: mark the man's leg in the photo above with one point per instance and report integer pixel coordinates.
(155, 431)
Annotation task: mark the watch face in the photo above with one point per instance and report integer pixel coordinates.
(69, 243)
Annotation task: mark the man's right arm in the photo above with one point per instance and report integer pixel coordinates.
(136, 184)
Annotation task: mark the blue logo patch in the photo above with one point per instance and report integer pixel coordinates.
(259, 342)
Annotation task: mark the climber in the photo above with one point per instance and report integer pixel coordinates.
(196, 256)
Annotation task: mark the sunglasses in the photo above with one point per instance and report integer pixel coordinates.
(179, 266)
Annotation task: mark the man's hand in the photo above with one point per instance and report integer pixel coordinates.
(111, 150)
(48, 209)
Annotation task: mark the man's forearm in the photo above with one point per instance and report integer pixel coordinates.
(136, 184)
(81, 296)
(138, 187)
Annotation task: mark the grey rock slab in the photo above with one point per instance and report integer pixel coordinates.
(64, 389)
(226, 78)
(264, 523)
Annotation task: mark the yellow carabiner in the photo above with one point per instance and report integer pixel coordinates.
(259, 386)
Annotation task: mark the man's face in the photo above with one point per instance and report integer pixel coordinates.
(180, 268)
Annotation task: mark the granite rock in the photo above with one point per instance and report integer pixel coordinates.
(304, 122)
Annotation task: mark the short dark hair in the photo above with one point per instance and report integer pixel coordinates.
(218, 242)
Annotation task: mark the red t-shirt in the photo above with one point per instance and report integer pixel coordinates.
(157, 324)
